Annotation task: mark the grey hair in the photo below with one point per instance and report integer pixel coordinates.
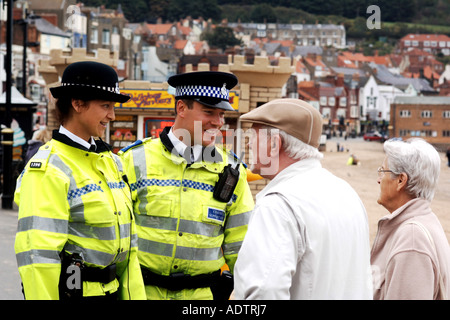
(295, 148)
(419, 160)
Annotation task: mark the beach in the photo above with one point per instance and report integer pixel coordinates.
(363, 178)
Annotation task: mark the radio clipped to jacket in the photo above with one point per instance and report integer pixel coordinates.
(228, 180)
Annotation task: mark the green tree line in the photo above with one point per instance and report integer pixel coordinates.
(418, 11)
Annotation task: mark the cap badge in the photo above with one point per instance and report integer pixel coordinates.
(224, 90)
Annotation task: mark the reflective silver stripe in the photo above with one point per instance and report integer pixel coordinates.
(153, 247)
(238, 220)
(125, 230)
(43, 224)
(163, 223)
(37, 256)
(140, 170)
(198, 254)
(170, 224)
(134, 240)
(200, 228)
(19, 180)
(186, 253)
(92, 256)
(75, 203)
(42, 154)
(82, 230)
(232, 248)
(118, 162)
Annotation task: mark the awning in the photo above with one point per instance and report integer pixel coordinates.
(17, 99)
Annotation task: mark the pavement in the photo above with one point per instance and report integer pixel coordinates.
(10, 283)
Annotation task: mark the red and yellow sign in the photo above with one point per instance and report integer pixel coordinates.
(158, 99)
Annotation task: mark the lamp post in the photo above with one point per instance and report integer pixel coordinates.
(24, 22)
(7, 134)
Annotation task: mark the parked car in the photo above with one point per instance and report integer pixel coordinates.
(374, 136)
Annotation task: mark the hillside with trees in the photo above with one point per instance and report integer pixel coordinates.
(432, 12)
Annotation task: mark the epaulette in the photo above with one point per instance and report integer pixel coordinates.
(135, 144)
(40, 159)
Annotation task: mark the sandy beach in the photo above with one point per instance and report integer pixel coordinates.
(363, 178)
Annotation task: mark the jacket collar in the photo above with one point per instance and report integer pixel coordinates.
(295, 169)
(209, 154)
(411, 209)
(101, 145)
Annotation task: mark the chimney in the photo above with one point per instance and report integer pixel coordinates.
(340, 80)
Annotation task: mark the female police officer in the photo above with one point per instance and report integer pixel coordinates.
(76, 234)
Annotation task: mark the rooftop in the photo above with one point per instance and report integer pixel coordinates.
(437, 100)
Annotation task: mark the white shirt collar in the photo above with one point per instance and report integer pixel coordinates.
(76, 138)
(180, 147)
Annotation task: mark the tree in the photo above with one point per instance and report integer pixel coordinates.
(179, 9)
(263, 13)
(221, 37)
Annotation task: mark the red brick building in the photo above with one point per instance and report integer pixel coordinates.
(433, 43)
(423, 116)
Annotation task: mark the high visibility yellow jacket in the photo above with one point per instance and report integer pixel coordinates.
(75, 201)
(181, 227)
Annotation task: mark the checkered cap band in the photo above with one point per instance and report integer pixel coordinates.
(203, 91)
(110, 89)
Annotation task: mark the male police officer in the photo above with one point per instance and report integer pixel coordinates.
(190, 221)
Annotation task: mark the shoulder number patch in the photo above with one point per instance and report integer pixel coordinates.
(35, 165)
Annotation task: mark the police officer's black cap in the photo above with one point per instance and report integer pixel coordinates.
(211, 88)
(89, 80)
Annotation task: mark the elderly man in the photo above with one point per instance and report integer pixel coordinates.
(410, 254)
(308, 237)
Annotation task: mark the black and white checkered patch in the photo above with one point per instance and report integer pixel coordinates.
(203, 91)
(110, 89)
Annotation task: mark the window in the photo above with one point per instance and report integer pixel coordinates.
(405, 114)
(343, 101)
(446, 114)
(434, 43)
(426, 43)
(404, 132)
(323, 101)
(331, 101)
(446, 133)
(106, 36)
(407, 43)
(415, 43)
(94, 35)
(354, 112)
(426, 114)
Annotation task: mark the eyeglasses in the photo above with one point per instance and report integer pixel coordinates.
(381, 172)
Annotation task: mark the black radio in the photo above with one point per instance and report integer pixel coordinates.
(228, 180)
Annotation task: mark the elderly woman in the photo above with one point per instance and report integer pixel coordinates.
(411, 255)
